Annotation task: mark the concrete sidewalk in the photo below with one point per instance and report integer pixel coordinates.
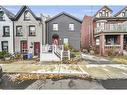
(96, 71)
(91, 59)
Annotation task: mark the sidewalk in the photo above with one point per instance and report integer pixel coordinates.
(91, 59)
(96, 71)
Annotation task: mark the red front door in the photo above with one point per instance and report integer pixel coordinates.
(23, 46)
(55, 41)
(36, 48)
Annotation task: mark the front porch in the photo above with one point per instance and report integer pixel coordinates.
(53, 53)
(106, 42)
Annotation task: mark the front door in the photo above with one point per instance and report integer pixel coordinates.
(55, 41)
(23, 46)
(36, 48)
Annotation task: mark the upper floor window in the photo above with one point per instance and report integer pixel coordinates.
(2, 16)
(100, 14)
(107, 14)
(71, 27)
(6, 31)
(32, 30)
(104, 13)
(98, 24)
(123, 14)
(4, 46)
(26, 15)
(55, 27)
(19, 31)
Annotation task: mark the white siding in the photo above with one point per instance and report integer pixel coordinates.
(9, 23)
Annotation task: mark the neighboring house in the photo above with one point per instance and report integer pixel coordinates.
(63, 29)
(28, 29)
(110, 32)
(87, 32)
(6, 30)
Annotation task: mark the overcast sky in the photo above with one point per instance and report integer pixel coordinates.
(78, 11)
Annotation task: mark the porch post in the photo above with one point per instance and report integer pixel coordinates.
(121, 43)
(102, 44)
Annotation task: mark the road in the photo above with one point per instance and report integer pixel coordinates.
(63, 84)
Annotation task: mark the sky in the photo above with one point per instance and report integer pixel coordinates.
(77, 11)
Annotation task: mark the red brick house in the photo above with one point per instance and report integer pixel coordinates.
(110, 32)
(86, 32)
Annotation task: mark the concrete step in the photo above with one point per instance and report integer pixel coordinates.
(124, 52)
(48, 57)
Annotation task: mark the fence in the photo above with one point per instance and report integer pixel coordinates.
(57, 50)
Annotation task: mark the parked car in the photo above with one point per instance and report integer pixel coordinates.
(1, 72)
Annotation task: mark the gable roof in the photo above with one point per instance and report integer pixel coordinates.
(120, 11)
(102, 8)
(64, 13)
(23, 8)
(9, 14)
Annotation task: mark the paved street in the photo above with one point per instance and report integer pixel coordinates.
(69, 83)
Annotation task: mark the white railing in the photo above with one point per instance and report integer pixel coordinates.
(56, 49)
(112, 46)
(112, 28)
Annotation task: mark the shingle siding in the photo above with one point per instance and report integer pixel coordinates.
(63, 22)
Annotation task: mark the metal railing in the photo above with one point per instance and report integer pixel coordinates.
(112, 46)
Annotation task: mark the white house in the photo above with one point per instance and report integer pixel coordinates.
(6, 30)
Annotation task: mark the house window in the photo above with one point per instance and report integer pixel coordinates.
(55, 27)
(111, 40)
(4, 46)
(123, 14)
(19, 31)
(126, 13)
(71, 27)
(103, 13)
(6, 31)
(98, 24)
(107, 14)
(32, 30)
(102, 25)
(23, 46)
(100, 14)
(2, 16)
(26, 15)
(65, 41)
(97, 41)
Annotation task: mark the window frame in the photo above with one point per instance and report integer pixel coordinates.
(3, 45)
(4, 32)
(32, 32)
(20, 31)
(25, 16)
(54, 28)
(68, 40)
(3, 18)
(73, 27)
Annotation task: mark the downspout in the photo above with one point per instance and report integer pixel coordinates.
(13, 39)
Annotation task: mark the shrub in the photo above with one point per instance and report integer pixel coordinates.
(84, 50)
(66, 47)
(72, 55)
(18, 56)
(92, 52)
(3, 54)
(113, 52)
(7, 55)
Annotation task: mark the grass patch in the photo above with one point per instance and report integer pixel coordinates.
(119, 59)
